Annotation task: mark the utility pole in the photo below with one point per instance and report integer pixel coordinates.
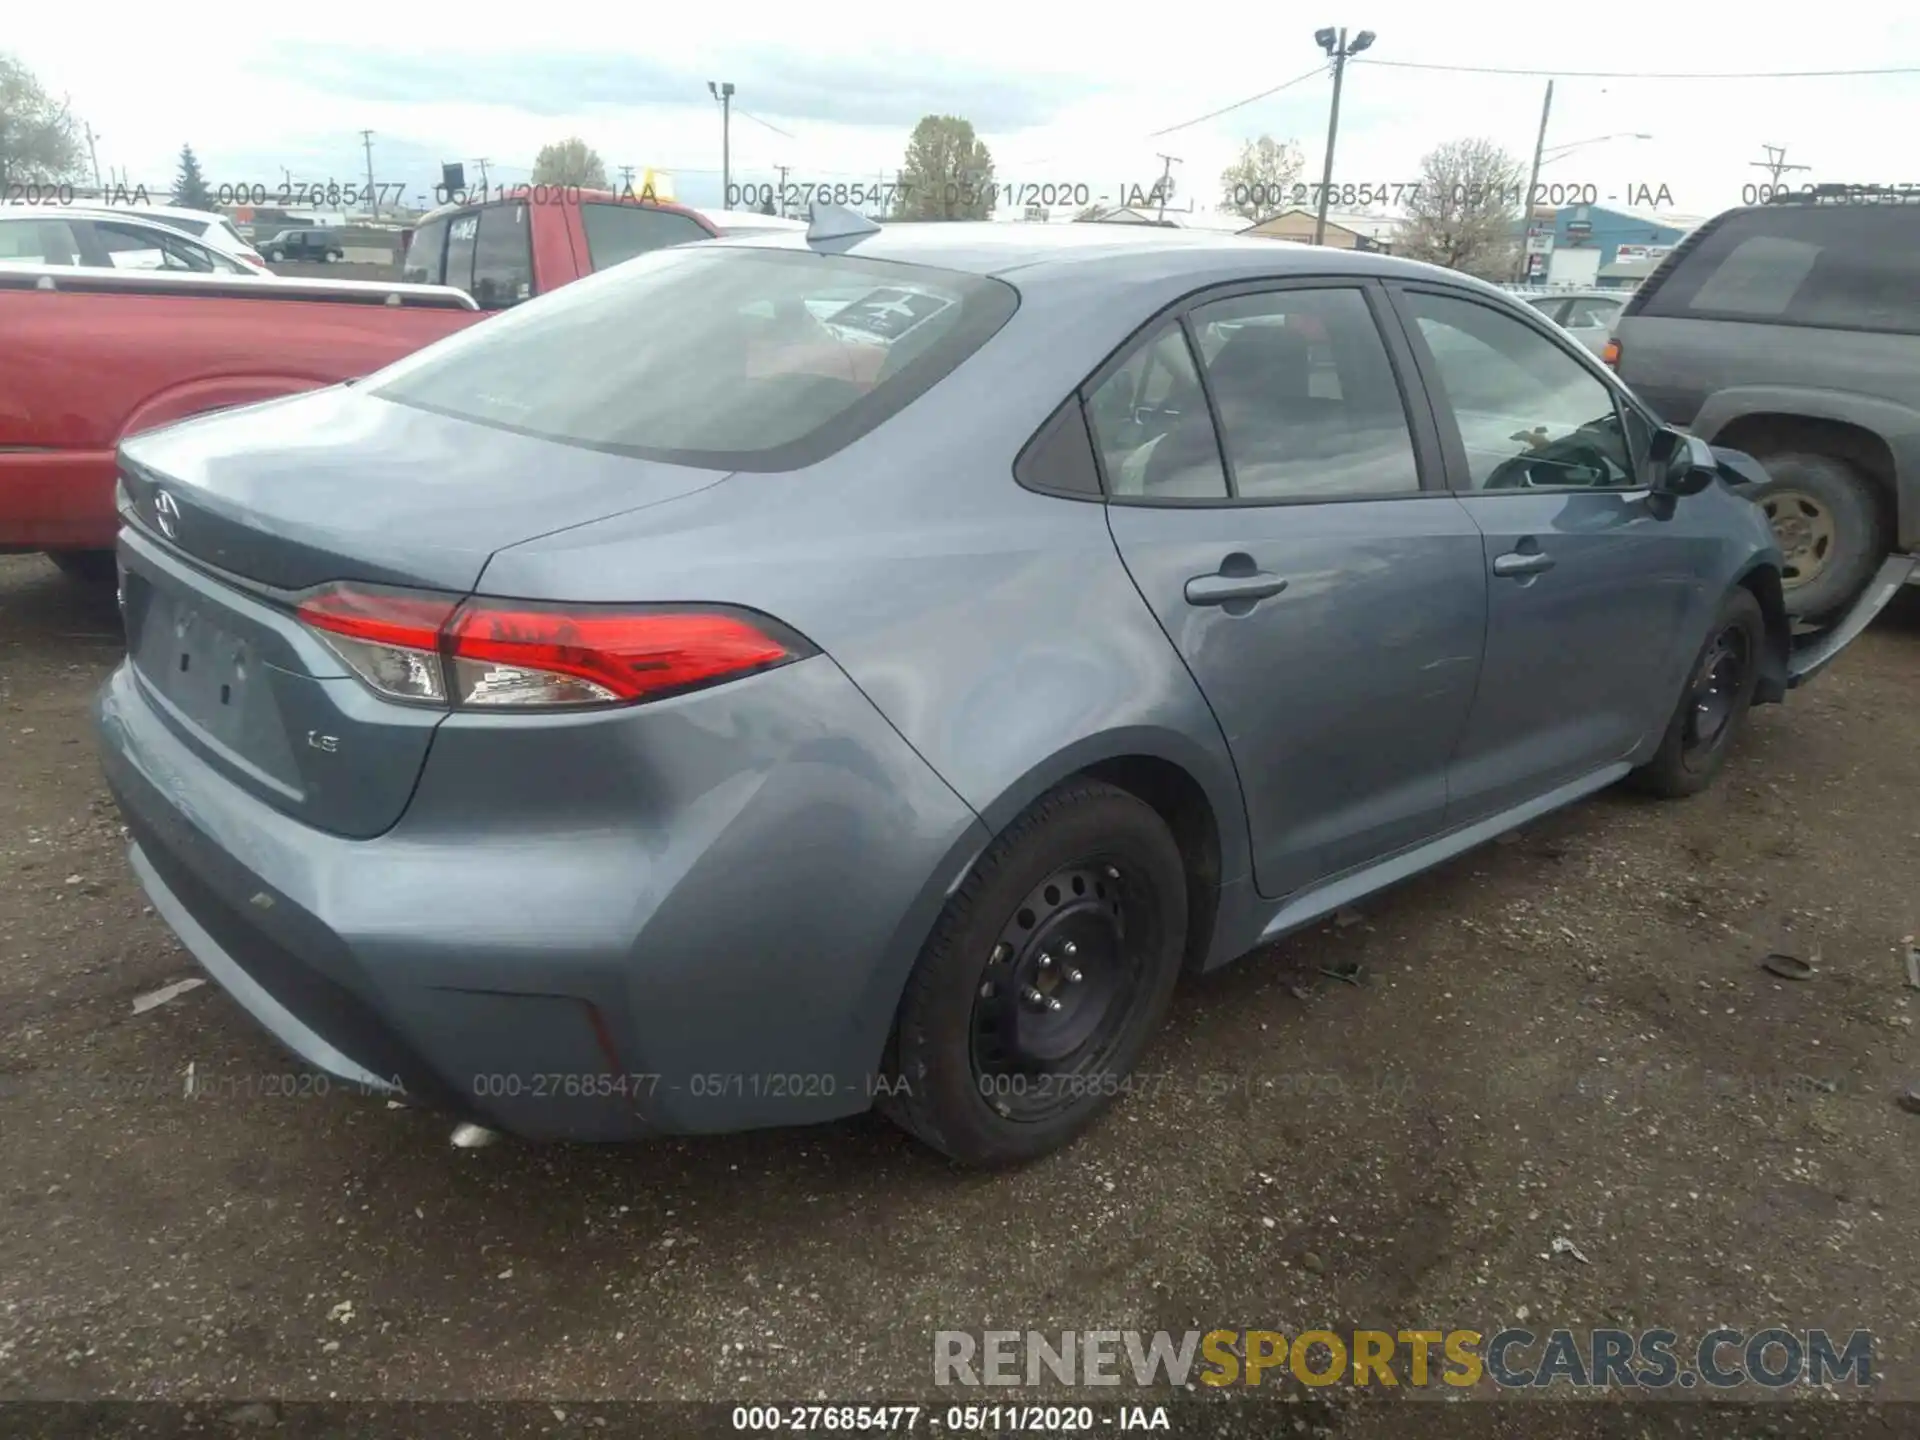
(1776, 163)
(94, 157)
(481, 161)
(723, 92)
(1167, 162)
(1335, 44)
(782, 201)
(1533, 179)
(373, 195)
(626, 179)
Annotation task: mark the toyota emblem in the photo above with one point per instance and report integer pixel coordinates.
(167, 511)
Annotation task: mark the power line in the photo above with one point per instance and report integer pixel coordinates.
(1211, 114)
(758, 121)
(1639, 74)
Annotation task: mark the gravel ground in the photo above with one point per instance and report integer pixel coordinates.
(1566, 1036)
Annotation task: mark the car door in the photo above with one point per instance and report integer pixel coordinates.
(1588, 586)
(1285, 518)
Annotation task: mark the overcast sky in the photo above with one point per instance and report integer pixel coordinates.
(1061, 94)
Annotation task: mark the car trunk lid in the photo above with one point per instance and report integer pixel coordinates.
(339, 485)
(230, 520)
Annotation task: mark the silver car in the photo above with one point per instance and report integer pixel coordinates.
(1588, 315)
(776, 677)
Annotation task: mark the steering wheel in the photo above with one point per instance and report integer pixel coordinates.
(1551, 466)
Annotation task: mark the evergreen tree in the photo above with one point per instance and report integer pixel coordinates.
(190, 186)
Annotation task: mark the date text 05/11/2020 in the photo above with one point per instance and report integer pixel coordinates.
(1639, 194)
(886, 195)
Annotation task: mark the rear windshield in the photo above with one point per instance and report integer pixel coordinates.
(617, 231)
(738, 359)
(1853, 267)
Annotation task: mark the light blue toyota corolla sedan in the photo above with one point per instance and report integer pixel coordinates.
(782, 676)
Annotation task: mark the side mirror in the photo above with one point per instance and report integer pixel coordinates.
(1683, 464)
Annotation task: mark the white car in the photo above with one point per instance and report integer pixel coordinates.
(109, 238)
(208, 226)
(751, 222)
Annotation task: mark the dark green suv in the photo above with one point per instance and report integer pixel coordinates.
(306, 243)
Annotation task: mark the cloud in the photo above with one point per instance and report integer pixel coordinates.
(871, 89)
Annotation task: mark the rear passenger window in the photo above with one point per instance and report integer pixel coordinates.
(426, 252)
(1152, 428)
(1848, 267)
(503, 258)
(617, 232)
(1309, 408)
(460, 246)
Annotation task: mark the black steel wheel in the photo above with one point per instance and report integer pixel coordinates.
(1714, 703)
(1720, 679)
(1059, 980)
(1045, 976)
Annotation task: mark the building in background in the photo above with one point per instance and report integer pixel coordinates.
(1346, 229)
(1600, 246)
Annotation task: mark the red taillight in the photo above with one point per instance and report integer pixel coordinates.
(1610, 356)
(494, 654)
(630, 656)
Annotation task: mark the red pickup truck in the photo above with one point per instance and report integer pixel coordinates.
(91, 356)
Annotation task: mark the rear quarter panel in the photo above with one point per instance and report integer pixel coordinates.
(996, 629)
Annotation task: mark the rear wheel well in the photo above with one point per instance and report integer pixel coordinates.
(1763, 434)
(1180, 801)
(1763, 583)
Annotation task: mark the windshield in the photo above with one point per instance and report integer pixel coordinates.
(730, 358)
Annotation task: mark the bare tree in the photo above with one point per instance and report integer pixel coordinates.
(39, 138)
(1466, 212)
(1263, 180)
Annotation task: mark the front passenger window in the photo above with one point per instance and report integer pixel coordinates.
(1309, 408)
(1152, 427)
(1531, 417)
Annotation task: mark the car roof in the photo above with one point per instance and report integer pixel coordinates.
(1037, 249)
(740, 221)
(571, 192)
(1570, 292)
(139, 216)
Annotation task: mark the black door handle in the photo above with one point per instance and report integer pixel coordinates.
(1225, 589)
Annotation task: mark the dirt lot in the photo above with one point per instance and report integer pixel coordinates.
(1565, 1036)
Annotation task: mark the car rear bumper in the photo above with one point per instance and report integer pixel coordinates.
(57, 500)
(582, 972)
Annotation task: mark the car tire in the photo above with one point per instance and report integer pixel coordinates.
(1083, 900)
(276, 256)
(1713, 706)
(1824, 513)
(87, 567)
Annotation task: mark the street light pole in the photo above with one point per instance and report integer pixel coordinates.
(723, 92)
(1167, 162)
(1335, 44)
